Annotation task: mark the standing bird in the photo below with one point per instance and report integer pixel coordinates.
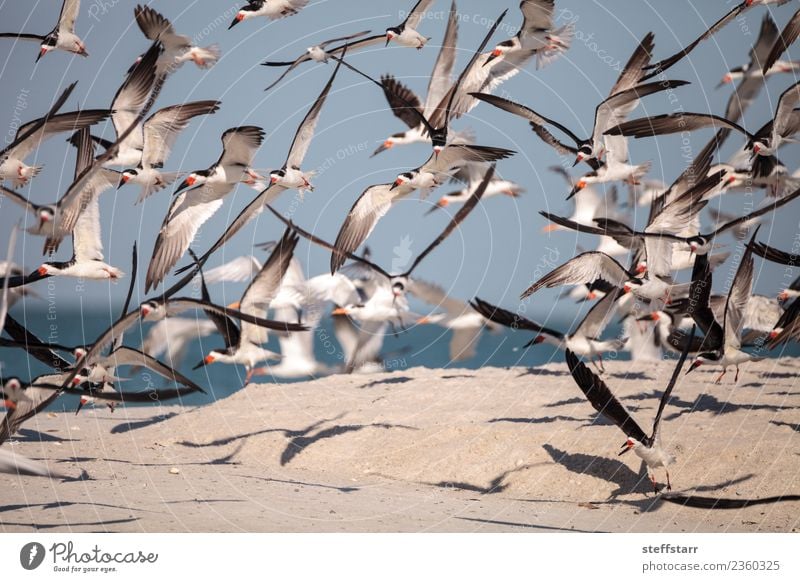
(191, 209)
(62, 37)
(647, 447)
(272, 9)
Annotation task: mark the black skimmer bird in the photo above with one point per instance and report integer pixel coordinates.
(158, 136)
(401, 99)
(289, 176)
(437, 126)
(471, 176)
(647, 447)
(623, 98)
(30, 135)
(536, 35)
(24, 401)
(702, 243)
(405, 33)
(460, 317)
(244, 345)
(171, 338)
(376, 200)
(272, 9)
(724, 347)
(730, 16)
(178, 49)
(62, 37)
(319, 53)
(763, 144)
(191, 209)
(770, 64)
(658, 248)
(584, 340)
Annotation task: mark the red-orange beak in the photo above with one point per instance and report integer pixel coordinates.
(42, 270)
(208, 359)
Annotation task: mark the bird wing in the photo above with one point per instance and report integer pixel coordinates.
(699, 306)
(162, 128)
(433, 294)
(49, 126)
(525, 112)
(405, 104)
(187, 213)
(364, 215)
(537, 14)
(416, 14)
(672, 381)
(240, 269)
(86, 241)
(663, 65)
(69, 12)
(305, 133)
(585, 268)
(788, 35)
(153, 24)
(633, 72)
(598, 316)
(441, 76)
(35, 399)
(671, 123)
(786, 118)
(738, 297)
(511, 320)
(239, 145)
(602, 399)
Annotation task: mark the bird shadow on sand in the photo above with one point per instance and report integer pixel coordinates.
(71, 525)
(496, 485)
(541, 372)
(610, 470)
(397, 380)
(631, 376)
(128, 426)
(344, 489)
(27, 435)
(288, 433)
(534, 526)
(710, 403)
(794, 427)
(541, 420)
(298, 444)
(457, 376)
(64, 504)
(567, 402)
(779, 375)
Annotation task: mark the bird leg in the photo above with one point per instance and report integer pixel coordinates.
(653, 481)
(669, 485)
(736, 378)
(719, 378)
(602, 367)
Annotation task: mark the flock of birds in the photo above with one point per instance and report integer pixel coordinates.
(369, 301)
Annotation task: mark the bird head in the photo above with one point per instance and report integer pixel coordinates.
(391, 33)
(276, 176)
(701, 359)
(193, 179)
(241, 15)
(46, 269)
(628, 445)
(126, 177)
(402, 179)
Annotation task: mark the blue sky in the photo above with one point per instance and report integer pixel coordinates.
(497, 251)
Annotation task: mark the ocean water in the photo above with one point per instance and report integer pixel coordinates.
(421, 345)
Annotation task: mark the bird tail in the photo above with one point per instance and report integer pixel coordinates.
(559, 42)
(26, 174)
(206, 57)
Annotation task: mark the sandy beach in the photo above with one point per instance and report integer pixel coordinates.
(419, 450)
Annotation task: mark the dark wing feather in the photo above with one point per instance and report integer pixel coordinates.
(601, 398)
